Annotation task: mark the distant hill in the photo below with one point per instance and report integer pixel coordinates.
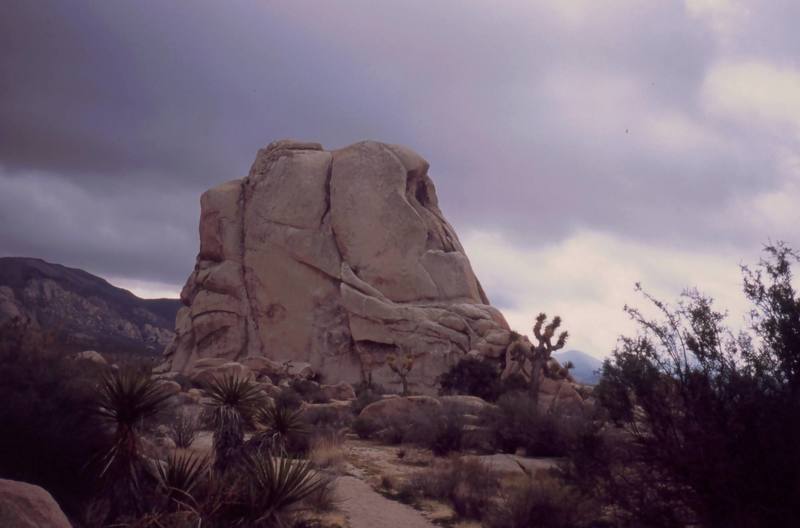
(586, 366)
(83, 310)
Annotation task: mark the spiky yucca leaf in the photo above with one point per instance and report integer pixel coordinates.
(280, 426)
(125, 398)
(233, 392)
(180, 474)
(233, 401)
(276, 485)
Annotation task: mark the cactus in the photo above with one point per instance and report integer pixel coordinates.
(402, 368)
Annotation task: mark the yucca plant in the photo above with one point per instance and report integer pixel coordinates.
(233, 401)
(178, 477)
(125, 398)
(275, 487)
(280, 428)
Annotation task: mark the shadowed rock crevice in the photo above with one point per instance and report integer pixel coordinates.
(352, 246)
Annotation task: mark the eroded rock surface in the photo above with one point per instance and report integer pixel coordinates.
(24, 505)
(334, 258)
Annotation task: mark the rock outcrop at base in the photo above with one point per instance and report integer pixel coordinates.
(24, 505)
(334, 258)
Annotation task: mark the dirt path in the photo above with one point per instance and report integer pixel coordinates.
(365, 508)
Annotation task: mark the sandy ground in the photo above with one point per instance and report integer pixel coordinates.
(365, 508)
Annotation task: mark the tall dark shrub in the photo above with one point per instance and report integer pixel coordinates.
(47, 433)
(709, 431)
(472, 376)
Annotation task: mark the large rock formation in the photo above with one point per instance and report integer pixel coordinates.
(81, 309)
(336, 258)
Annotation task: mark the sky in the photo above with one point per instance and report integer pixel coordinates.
(577, 146)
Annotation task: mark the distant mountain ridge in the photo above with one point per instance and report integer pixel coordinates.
(84, 311)
(586, 366)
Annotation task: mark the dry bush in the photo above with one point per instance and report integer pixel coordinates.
(364, 427)
(466, 483)
(544, 501)
(326, 452)
(184, 431)
(309, 391)
(327, 419)
(517, 423)
(440, 429)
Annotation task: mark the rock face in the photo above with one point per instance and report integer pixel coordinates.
(335, 258)
(82, 309)
(24, 505)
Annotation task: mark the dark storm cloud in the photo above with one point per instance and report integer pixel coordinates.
(538, 120)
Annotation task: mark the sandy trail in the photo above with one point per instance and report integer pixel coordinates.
(365, 508)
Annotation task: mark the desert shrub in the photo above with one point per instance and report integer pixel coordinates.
(544, 501)
(184, 431)
(309, 391)
(326, 452)
(440, 429)
(472, 376)
(366, 394)
(481, 378)
(392, 431)
(466, 483)
(288, 398)
(364, 427)
(710, 435)
(516, 423)
(327, 419)
(47, 431)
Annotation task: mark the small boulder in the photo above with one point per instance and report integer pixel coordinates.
(230, 368)
(24, 505)
(467, 405)
(93, 356)
(340, 391)
(398, 407)
(170, 387)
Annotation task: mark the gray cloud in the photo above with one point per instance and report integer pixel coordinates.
(115, 116)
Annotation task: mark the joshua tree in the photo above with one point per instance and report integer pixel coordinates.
(540, 353)
(402, 368)
(233, 401)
